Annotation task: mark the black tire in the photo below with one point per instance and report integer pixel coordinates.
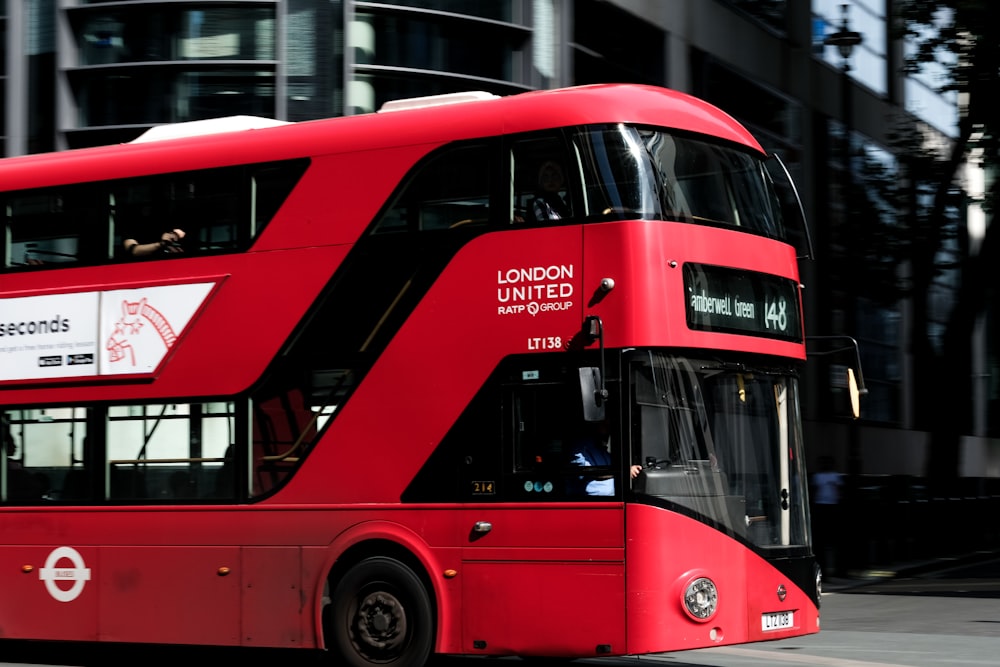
(380, 614)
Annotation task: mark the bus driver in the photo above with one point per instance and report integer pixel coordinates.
(595, 450)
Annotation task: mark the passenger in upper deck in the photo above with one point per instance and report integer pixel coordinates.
(548, 203)
(169, 243)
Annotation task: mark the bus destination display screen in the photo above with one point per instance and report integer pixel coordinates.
(742, 302)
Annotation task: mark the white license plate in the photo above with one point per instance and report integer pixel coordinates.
(778, 620)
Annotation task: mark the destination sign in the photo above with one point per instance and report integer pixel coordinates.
(742, 302)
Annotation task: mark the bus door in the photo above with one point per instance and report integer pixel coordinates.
(160, 458)
(543, 562)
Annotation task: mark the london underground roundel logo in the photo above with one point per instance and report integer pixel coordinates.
(54, 572)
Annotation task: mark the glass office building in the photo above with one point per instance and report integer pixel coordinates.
(104, 71)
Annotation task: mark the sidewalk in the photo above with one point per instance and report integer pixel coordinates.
(863, 577)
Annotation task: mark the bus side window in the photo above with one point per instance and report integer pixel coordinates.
(224, 210)
(171, 452)
(139, 212)
(48, 227)
(283, 426)
(47, 458)
(541, 173)
(450, 190)
(212, 205)
(287, 418)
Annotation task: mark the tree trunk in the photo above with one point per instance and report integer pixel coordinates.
(953, 414)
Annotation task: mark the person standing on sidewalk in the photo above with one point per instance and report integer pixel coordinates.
(827, 492)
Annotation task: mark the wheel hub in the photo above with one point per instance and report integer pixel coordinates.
(381, 622)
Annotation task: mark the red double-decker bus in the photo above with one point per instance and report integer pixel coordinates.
(474, 375)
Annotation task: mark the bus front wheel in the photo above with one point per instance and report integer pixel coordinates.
(380, 614)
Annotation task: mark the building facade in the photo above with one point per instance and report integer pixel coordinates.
(88, 72)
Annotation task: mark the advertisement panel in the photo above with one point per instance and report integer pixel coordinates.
(87, 334)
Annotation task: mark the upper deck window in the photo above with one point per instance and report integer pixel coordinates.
(451, 190)
(209, 205)
(652, 174)
(44, 226)
(543, 175)
(220, 210)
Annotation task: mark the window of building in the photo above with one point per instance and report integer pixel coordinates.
(141, 96)
(498, 10)
(763, 110)
(399, 53)
(922, 89)
(879, 333)
(863, 247)
(597, 59)
(3, 40)
(157, 34)
(3, 79)
(869, 60)
(771, 13)
(313, 60)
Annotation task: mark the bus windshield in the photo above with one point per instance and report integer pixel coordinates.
(723, 443)
(652, 174)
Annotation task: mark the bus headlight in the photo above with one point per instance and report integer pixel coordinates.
(701, 599)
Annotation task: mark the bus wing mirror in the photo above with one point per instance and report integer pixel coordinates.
(855, 393)
(592, 393)
(592, 388)
(852, 378)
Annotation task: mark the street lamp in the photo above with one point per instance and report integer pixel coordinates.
(844, 39)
